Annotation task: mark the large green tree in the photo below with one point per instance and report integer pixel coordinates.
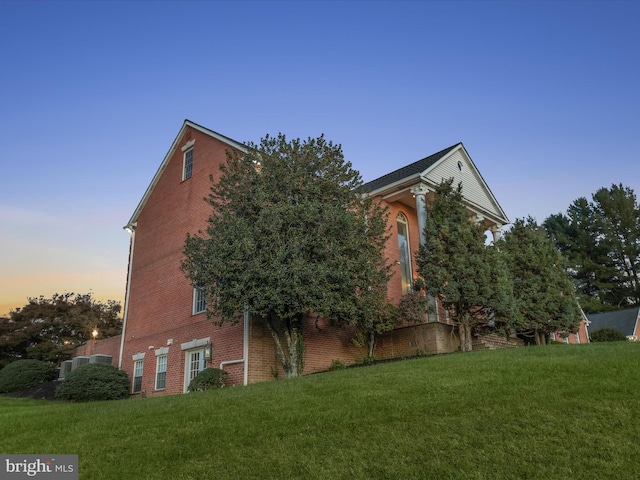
(468, 277)
(601, 240)
(290, 236)
(48, 329)
(541, 286)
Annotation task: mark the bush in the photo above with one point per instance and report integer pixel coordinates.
(336, 365)
(208, 378)
(607, 335)
(92, 382)
(25, 374)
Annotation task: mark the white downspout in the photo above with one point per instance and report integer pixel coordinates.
(132, 240)
(245, 351)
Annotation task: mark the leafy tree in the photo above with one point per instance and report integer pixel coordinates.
(290, 236)
(601, 240)
(374, 314)
(467, 276)
(48, 329)
(541, 286)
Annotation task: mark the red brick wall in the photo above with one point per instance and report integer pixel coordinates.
(160, 300)
(161, 297)
(108, 346)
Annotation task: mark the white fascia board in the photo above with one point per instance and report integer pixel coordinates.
(395, 187)
(504, 218)
(167, 157)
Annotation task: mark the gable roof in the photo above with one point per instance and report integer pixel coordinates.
(624, 321)
(408, 171)
(187, 124)
(452, 162)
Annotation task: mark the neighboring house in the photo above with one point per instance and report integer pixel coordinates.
(167, 338)
(625, 321)
(581, 336)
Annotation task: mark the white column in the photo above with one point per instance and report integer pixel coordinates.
(495, 230)
(419, 192)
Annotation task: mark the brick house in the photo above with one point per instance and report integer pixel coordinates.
(626, 321)
(167, 337)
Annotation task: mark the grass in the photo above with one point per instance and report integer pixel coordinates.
(553, 412)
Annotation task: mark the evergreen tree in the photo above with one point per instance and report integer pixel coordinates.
(290, 236)
(467, 276)
(541, 286)
(601, 240)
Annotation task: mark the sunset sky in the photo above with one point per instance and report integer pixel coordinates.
(545, 97)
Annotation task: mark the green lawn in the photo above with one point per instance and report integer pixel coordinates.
(565, 412)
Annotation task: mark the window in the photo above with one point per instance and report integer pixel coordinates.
(137, 376)
(188, 164)
(199, 301)
(161, 372)
(405, 253)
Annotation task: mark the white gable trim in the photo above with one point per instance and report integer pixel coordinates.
(187, 123)
(389, 191)
(502, 217)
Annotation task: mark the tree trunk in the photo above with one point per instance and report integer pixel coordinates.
(289, 348)
(541, 338)
(372, 343)
(464, 327)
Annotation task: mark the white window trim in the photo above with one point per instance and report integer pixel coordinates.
(194, 311)
(166, 360)
(402, 218)
(195, 343)
(185, 149)
(187, 365)
(133, 384)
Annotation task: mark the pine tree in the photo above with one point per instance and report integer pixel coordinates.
(468, 277)
(541, 286)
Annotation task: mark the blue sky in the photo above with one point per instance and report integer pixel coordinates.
(544, 95)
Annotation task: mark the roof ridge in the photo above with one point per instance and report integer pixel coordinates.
(412, 168)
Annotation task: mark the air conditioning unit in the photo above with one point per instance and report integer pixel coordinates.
(99, 358)
(78, 362)
(65, 368)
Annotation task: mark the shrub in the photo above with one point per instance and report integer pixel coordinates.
(336, 365)
(208, 378)
(92, 382)
(607, 335)
(25, 374)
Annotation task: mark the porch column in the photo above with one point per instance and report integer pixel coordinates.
(419, 192)
(495, 230)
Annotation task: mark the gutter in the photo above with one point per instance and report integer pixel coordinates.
(245, 351)
(132, 232)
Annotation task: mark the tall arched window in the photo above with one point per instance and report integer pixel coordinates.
(405, 253)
